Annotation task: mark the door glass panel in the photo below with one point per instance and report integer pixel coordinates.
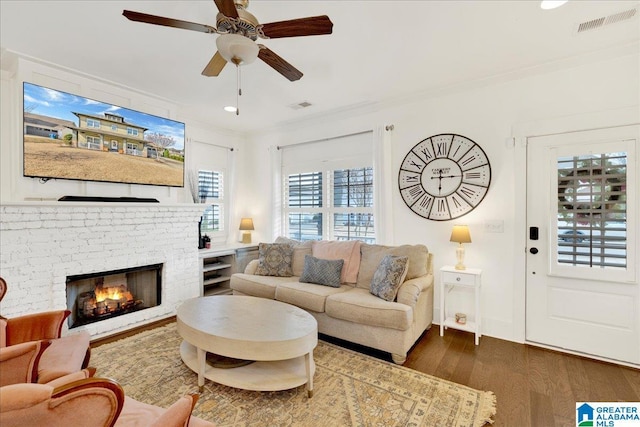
(592, 210)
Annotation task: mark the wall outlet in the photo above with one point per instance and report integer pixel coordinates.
(494, 226)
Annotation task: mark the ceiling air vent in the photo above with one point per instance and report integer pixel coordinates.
(301, 105)
(607, 20)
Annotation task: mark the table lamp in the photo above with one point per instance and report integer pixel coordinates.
(246, 225)
(460, 234)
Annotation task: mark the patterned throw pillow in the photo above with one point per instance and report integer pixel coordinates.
(322, 271)
(274, 259)
(389, 276)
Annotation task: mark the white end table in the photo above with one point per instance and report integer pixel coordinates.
(469, 278)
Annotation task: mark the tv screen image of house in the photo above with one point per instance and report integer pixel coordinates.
(68, 136)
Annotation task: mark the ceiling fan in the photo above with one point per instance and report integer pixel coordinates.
(238, 30)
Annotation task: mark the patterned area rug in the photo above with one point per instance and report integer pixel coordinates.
(350, 389)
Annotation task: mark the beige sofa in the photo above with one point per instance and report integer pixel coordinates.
(351, 312)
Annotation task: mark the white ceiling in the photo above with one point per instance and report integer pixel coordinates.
(380, 51)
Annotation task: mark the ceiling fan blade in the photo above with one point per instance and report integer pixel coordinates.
(227, 8)
(214, 66)
(312, 26)
(279, 64)
(167, 22)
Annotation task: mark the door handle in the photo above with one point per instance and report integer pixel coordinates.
(533, 250)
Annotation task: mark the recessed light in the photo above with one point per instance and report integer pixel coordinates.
(230, 109)
(552, 4)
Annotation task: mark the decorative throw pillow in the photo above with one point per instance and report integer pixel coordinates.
(389, 276)
(274, 259)
(300, 249)
(349, 251)
(322, 271)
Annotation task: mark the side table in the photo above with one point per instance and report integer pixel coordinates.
(451, 278)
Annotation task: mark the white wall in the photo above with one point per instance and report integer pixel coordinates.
(486, 114)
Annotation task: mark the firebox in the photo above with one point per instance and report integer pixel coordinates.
(98, 296)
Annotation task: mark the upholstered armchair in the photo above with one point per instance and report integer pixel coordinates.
(32, 350)
(79, 400)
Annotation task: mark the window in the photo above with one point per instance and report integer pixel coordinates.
(92, 123)
(132, 148)
(348, 215)
(327, 189)
(114, 128)
(211, 190)
(592, 210)
(132, 131)
(93, 142)
(353, 202)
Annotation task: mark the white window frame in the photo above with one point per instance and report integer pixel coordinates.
(94, 140)
(327, 210)
(607, 273)
(353, 151)
(219, 201)
(93, 123)
(132, 131)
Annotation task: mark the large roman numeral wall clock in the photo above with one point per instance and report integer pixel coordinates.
(444, 177)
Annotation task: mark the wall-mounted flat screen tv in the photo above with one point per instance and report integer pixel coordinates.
(68, 136)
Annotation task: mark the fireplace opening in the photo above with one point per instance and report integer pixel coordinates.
(98, 296)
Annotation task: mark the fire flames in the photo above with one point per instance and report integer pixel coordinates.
(116, 293)
(106, 300)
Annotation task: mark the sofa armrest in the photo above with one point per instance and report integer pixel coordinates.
(33, 327)
(251, 267)
(410, 290)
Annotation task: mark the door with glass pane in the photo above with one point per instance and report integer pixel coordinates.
(582, 259)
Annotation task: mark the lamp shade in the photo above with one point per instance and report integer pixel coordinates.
(246, 224)
(460, 234)
(237, 49)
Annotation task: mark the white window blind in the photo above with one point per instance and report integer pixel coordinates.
(328, 189)
(592, 210)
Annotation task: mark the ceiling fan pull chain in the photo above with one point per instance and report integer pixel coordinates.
(239, 92)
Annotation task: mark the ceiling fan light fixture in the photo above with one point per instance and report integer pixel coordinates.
(552, 4)
(237, 49)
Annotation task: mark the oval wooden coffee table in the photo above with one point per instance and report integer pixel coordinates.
(279, 337)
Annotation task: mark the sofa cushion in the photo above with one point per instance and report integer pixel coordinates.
(322, 271)
(349, 251)
(258, 286)
(359, 306)
(371, 255)
(389, 276)
(274, 259)
(307, 295)
(300, 249)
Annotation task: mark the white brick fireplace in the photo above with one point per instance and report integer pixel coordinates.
(43, 243)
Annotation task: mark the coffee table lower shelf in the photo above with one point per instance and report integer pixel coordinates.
(258, 376)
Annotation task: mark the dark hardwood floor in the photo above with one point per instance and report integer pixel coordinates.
(534, 387)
